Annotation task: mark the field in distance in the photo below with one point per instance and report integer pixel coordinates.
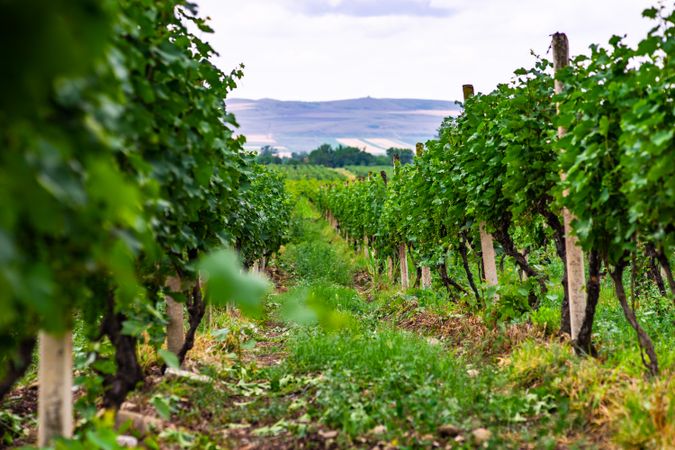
(363, 171)
(307, 172)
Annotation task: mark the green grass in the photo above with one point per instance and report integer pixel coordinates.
(317, 261)
(348, 367)
(372, 376)
(315, 252)
(381, 377)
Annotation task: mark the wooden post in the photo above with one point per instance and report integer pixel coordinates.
(486, 242)
(403, 257)
(426, 271)
(576, 277)
(489, 262)
(55, 387)
(365, 247)
(390, 268)
(426, 277)
(175, 331)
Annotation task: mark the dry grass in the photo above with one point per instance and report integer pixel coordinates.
(621, 410)
(467, 333)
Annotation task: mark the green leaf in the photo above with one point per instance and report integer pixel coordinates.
(662, 137)
(103, 439)
(169, 358)
(133, 327)
(162, 406)
(226, 282)
(650, 13)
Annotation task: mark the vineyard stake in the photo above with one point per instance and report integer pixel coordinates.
(402, 249)
(55, 387)
(426, 277)
(175, 331)
(390, 268)
(575, 257)
(486, 241)
(426, 270)
(403, 257)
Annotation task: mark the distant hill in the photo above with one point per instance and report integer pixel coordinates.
(370, 123)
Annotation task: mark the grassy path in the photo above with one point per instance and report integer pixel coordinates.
(341, 360)
(348, 375)
(346, 173)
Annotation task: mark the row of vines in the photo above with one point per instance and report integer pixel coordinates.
(601, 146)
(120, 170)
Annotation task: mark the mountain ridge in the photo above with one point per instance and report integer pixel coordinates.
(374, 124)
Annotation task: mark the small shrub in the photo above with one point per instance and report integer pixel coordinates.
(646, 417)
(533, 364)
(547, 318)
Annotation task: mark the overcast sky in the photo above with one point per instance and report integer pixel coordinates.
(337, 49)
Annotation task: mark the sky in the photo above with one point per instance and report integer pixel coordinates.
(315, 50)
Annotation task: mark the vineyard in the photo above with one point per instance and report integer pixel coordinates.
(363, 171)
(307, 172)
(512, 287)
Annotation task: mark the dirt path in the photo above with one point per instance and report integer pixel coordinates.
(345, 172)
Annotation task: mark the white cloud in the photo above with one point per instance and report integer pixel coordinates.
(330, 49)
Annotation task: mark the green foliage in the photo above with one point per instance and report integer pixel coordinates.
(11, 428)
(547, 318)
(268, 155)
(228, 284)
(499, 163)
(259, 226)
(357, 205)
(120, 167)
(329, 156)
(620, 146)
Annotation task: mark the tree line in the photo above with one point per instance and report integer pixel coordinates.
(340, 156)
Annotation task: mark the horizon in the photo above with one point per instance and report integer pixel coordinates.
(342, 99)
(367, 122)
